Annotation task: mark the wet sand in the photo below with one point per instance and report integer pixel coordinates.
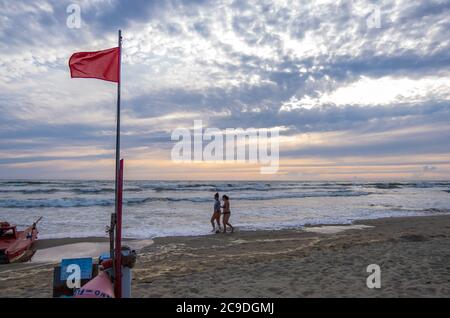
(326, 261)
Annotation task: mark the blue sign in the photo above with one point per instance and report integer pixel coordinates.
(85, 265)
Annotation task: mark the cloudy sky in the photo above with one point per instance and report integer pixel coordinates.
(353, 98)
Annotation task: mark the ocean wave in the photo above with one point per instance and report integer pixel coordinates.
(182, 188)
(56, 184)
(396, 185)
(437, 211)
(30, 191)
(99, 187)
(293, 195)
(86, 202)
(236, 188)
(92, 190)
(401, 208)
(387, 185)
(86, 190)
(54, 203)
(19, 182)
(282, 186)
(219, 186)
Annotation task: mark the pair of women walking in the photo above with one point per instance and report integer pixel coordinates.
(226, 214)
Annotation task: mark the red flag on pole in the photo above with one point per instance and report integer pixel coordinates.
(104, 65)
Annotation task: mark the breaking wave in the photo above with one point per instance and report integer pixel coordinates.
(86, 202)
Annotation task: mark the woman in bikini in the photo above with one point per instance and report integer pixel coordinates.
(216, 214)
(226, 213)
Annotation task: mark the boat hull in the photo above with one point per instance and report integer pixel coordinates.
(18, 248)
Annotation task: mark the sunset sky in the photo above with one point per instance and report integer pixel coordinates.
(353, 100)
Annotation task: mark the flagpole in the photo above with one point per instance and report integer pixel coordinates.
(114, 216)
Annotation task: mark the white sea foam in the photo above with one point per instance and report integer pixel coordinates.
(163, 208)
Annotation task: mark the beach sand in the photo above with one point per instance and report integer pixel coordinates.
(321, 261)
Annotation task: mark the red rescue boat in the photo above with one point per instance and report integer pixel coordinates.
(16, 246)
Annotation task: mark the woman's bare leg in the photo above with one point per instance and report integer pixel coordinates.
(224, 222)
(226, 217)
(212, 222)
(218, 222)
(228, 223)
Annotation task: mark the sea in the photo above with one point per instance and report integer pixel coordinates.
(151, 209)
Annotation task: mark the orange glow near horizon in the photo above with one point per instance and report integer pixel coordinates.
(354, 168)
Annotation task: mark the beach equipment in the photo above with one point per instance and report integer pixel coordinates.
(87, 278)
(98, 287)
(128, 261)
(106, 65)
(16, 246)
(83, 270)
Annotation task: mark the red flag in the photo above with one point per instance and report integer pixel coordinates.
(103, 65)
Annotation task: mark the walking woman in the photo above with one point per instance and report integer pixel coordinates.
(226, 213)
(216, 214)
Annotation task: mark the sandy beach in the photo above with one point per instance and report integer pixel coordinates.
(321, 261)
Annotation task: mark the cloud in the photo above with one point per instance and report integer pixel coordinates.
(377, 91)
(314, 67)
